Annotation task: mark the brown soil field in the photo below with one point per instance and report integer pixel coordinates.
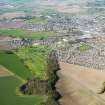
(80, 85)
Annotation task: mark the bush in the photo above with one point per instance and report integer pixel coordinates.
(102, 89)
(8, 52)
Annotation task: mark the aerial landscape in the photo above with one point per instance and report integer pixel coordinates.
(52, 52)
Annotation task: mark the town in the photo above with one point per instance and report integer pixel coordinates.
(73, 33)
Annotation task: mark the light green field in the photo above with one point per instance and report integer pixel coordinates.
(25, 34)
(84, 47)
(35, 59)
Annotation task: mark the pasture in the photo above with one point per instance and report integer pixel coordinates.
(35, 59)
(11, 77)
(25, 34)
(14, 64)
(8, 95)
(37, 20)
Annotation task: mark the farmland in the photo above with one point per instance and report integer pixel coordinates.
(33, 58)
(13, 63)
(25, 34)
(9, 96)
(37, 20)
(50, 43)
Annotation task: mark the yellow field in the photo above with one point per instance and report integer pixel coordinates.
(80, 85)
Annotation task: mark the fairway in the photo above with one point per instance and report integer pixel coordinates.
(8, 94)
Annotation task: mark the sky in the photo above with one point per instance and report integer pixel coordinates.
(50, 2)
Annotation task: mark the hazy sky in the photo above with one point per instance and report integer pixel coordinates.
(51, 2)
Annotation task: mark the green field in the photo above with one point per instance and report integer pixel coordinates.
(35, 59)
(37, 20)
(25, 34)
(84, 47)
(8, 95)
(13, 63)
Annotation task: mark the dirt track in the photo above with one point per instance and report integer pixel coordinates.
(4, 72)
(79, 85)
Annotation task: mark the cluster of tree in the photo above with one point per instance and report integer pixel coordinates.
(20, 17)
(52, 68)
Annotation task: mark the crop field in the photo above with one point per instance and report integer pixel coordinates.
(12, 72)
(27, 34)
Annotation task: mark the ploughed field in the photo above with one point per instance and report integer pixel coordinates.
(15, 69)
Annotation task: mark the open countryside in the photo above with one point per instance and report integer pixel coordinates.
(52, 52)
(11, 82)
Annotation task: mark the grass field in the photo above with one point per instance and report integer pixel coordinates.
(9, 84)
(84, 47)
(37, 20)
(25, 34)
(8, 94)
(13, 63)
(35, 59)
